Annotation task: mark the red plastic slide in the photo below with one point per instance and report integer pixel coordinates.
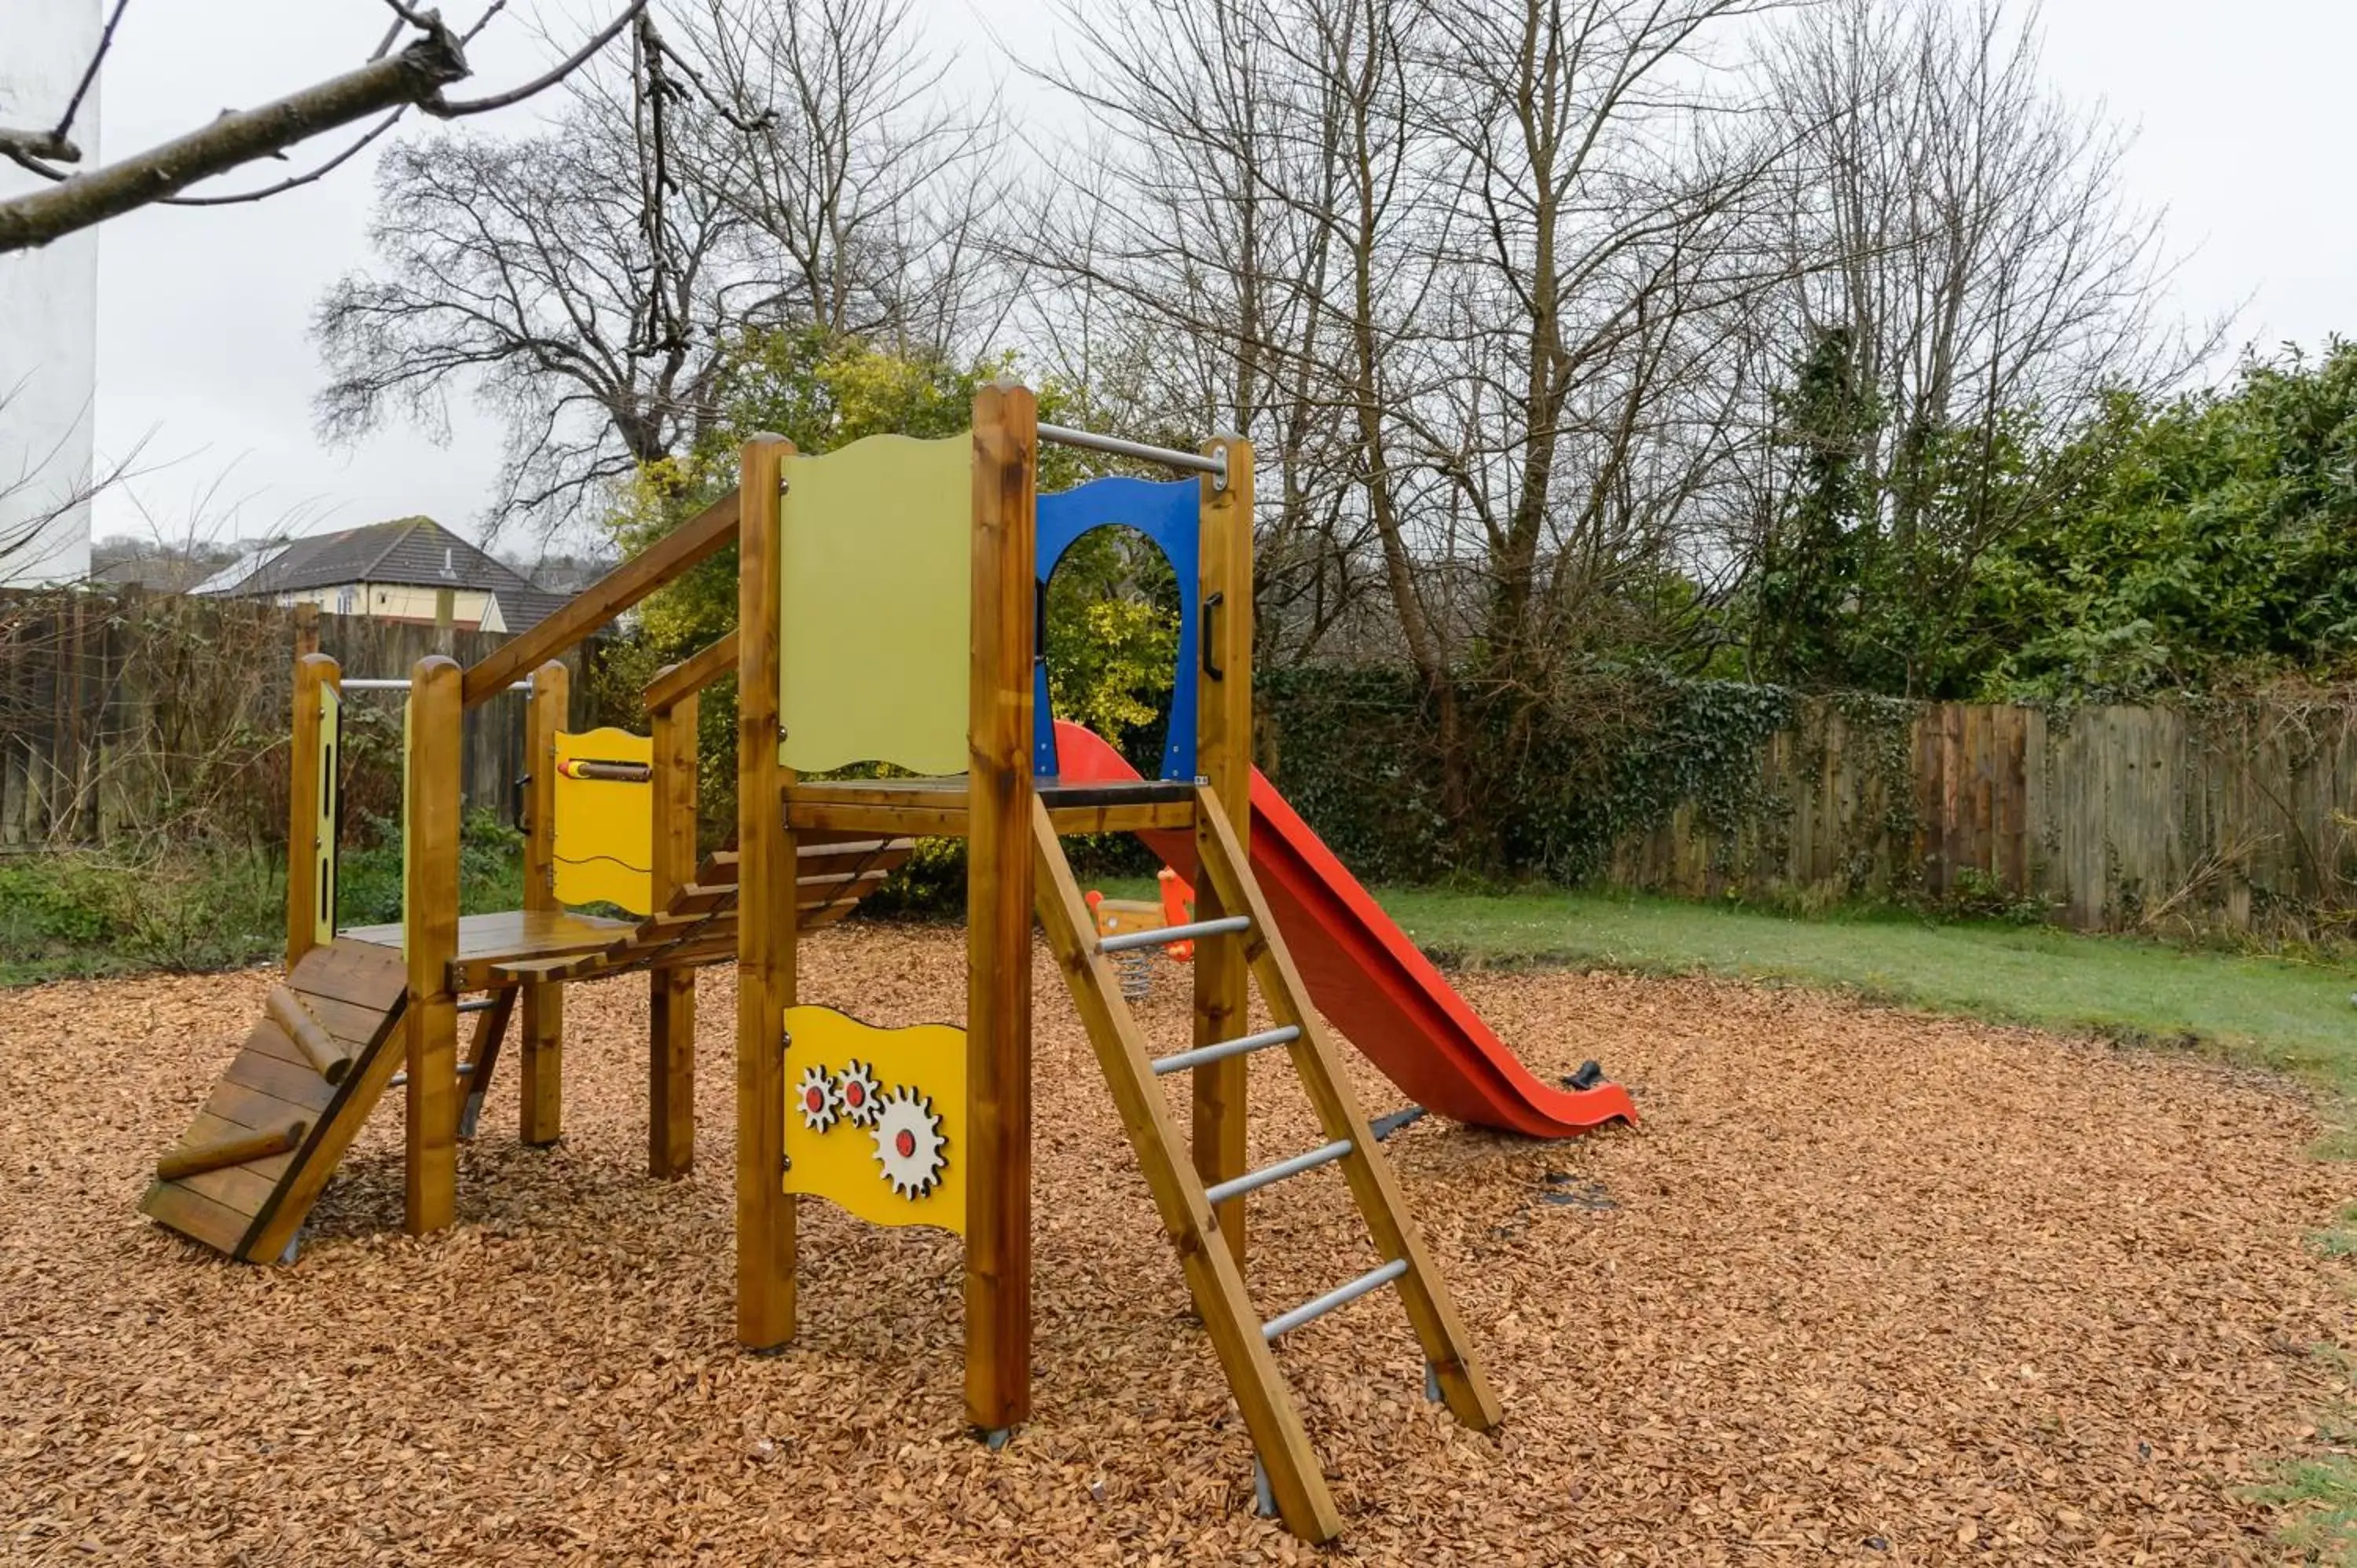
(1366, 976)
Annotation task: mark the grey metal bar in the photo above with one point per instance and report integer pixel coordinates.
(1311, 1311)
(1203, 1056)
(1252, 1181)
(480, 1004)
(358, 683)
(1162, 935)
(400, 1080)
(1169, 456)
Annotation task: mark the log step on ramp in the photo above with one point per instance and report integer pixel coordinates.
(245, 1173)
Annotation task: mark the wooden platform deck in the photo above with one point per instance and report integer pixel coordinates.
(486, 942)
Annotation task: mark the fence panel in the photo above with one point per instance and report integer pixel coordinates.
(2241, 816)
(122, 713)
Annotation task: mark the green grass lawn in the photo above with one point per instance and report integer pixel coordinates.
(2280, 1013)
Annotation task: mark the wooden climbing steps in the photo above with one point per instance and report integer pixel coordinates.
(836, 870)
(1291, 1482)
(244, 1174)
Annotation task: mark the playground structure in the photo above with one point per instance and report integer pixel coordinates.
(889, 603)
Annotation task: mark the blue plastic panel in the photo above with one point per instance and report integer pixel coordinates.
(1168, 513)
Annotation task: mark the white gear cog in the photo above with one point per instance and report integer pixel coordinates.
(858, 1095)
(909, 1142)
(818, 1099)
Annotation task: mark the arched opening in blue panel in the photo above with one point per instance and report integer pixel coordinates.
(1168, 515)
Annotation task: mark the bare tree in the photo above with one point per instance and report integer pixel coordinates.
(1233, 245)
(781, 168)
(540, 277)
(1966, 234)
(869, 186)
(391, 82)
(1604, 178)
(35, 507)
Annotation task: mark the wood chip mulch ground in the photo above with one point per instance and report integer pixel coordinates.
(1868, 1287)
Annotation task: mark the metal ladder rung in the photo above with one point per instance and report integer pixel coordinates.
(1165, 935)
(1252, 1181)
(400, 1080)
(1311, 1311)
(1203, 1056)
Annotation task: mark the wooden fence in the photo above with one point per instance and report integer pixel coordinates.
(2238, 815)
(131, 714)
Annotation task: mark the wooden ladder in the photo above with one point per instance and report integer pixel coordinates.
(1288, 1476)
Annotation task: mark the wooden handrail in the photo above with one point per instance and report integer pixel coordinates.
(707, 534)
(692, 674)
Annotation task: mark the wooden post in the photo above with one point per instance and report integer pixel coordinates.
(307, 629)
(765, 912)
(540, 1064)
(998, 911)
(671, 991)
(310, 794)
(1224, 712)
(430, 930)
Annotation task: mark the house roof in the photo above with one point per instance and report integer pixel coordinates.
(416, 552)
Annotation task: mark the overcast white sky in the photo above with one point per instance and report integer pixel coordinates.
(2240, 109)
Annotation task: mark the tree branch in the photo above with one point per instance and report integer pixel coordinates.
(564, 69)
(413, 75)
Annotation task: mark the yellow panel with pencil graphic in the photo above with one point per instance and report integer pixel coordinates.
(604, 844)
(875, 1118)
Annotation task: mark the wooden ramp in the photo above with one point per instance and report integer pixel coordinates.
(245, 1173)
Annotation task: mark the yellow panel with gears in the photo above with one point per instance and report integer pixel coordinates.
(603, 844)
(875, 1118)
(877, 554)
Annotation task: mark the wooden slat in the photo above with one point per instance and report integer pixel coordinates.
(351, 969)
(670, 990)
(254, 1109)
(1221, 1091)
(861, 817)
(272, 1074)
(701, 538)
(999, 874)
(1212, 1276)
(483, 1056)
(430, 912)
(313, 671)
(351, 1024)
(675, 684)
(194, 1215)
(1422, 1290)
(765, 932)
(1144, 816)
(540, 1057)
(246, 1188)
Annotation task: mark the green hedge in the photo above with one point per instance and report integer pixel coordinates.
(1543, 786)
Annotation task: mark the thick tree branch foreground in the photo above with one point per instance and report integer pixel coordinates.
(413, 75)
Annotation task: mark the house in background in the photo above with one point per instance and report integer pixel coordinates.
(390, 571)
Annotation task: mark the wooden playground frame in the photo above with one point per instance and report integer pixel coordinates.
(1011, 822)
